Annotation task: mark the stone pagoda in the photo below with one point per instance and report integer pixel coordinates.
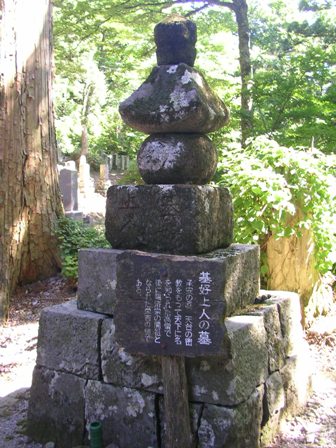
(165, 342)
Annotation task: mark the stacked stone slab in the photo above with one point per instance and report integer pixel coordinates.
(175, 212)
(237, 399)
(175, 227)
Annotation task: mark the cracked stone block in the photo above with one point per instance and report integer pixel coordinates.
(123, 369)
(290, 317)
(230, 380)
(296, 377)
(236, 427)
(128, 416)
(179, 219)
(164, 309)
(68, 340)
(97, 280)
(56, 408)
(174, 98)
(274, 405)
(177, 159)
(274, 340)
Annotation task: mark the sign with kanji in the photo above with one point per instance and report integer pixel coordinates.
(169, 304)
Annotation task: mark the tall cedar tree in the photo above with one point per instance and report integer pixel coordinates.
(29, 193)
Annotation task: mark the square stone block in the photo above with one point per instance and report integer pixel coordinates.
(179, 219)
(175, 305)
(56, 408)
(68, 340)
(237, 427)
(231, 379)
(290, 320)
(128, 416)
(97, 280)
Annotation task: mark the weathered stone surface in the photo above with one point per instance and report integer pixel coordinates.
(237, 427)
(127, 415)
(290, 317)
(97, 280)
(177, 159)
(123, 369)
(274, 404)
(175, 38)
(274, 341)
(68, 340)
(174, 98)
(175, 305)
(231, 380)
(296, 377)
(179, 219)
(56, 408)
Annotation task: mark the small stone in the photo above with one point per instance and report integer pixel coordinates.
(49, 445)
(177, 159)
(174, 98)
(175, 38)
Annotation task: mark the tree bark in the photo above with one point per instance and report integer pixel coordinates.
(246, 121)
(29, 193)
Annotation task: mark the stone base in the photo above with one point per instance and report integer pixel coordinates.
(235, 271)
(179, 219)
(236, 400)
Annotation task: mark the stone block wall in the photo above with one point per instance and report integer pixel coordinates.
(237, 400)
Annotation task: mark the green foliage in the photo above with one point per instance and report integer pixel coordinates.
(73, 235)
(270, 183)
(132, 175)
(294, 75)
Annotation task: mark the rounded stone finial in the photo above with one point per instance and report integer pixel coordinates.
(175, 39)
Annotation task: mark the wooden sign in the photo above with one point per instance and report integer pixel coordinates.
(169, 305)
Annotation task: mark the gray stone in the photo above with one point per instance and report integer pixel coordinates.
(274, 405)
(274, 341)
(174, 98)
(179, 219)
(68, 179)
(237, 427)
(175, 38)
(127, 415)
(290, 317)
(68, 340)
(296, 377)
(177, 159)
(164, 306)
(56, 408)
(232, 379)
(97, 280)
(123, 369)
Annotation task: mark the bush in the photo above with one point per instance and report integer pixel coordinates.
(73, 235)
(269, 182)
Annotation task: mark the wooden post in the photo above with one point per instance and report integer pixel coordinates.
(176, 405)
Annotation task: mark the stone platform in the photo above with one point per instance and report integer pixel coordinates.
(237, 398)
(83, 375)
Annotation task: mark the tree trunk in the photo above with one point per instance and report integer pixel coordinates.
(29, 192)
(246, 123)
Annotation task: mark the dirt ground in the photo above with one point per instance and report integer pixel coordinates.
(315, 427)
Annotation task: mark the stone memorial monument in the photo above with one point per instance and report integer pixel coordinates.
(166, 344)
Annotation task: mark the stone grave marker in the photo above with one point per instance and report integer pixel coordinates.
(171, 306)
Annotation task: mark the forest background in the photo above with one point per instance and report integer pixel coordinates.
(283, 183)
(272, 62)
